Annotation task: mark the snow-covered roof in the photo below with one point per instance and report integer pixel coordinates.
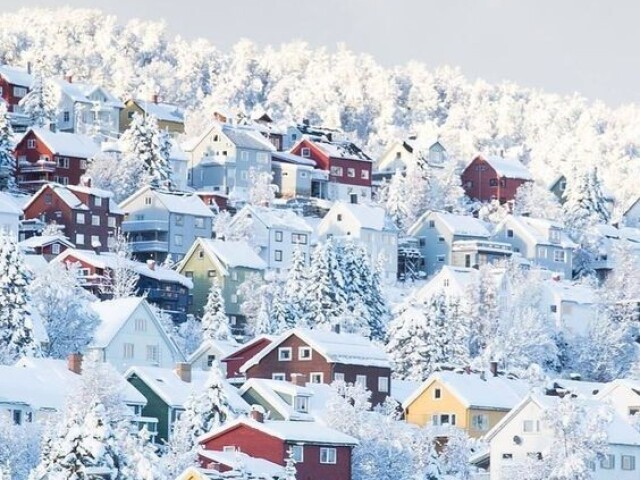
(458, 279)
(177, 153)
(223, 347)
(44, 240)
(64, 143)
(507, 167)
(232, 253)
(291, 158)
(166, 112)
(186, 204)
(113, 315)
(166, 383)
(256, 467)
(109, 260)
(16, 76)
(566, 291)
(35, 263)
(401, 390)
(247, 138)
(580, 387)
(303, 432)
(81, 92)
(343, 348)
(461, 225)
(477, 390)
(341, 149)
(274, 393)
(368, 216)
(537, 230)
(9, 204)
(96, 192)
(278, 218)
(61, 191)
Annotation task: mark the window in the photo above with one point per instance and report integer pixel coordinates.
(127, 350)
(507, 456)
(130, 115)
(361, 380)
(140, 325)
(306, 152)
(480, 422)
(95, 240)
(278, 235)
(234, 298)
(530, 426)
(244, 155)
(443, 419)
(95, 220)
(31, 144)
(328, 455)
(199, 222)
(364, 174)
(177, 239)
(558, 256)
(542, 252)
(278, 376)
(16, 416)
(493, 182)
(628, 462)
(63, 162)
(535, 455)
(510, 233)
(55, 248)
(284, 354)
(262, 158)
(338, 377)
(80, 218)
(200, 254)
(111, 222)
(440, 258)
(437, 393)
(79, 239)
(383, 384)
(336, 171)
(304, 353)
(351, 172)
(234, 275)
(97, 201)
(301, 404)
(440, 239)
(553, 308)
(339, 217)
(211, 273)
(316, 377)
(179, 220)
(48, 198)
(229, 449)
(147, 200)
(297, 453)
(445, 282)
(278, 255)
(188, 274)
(608, 462)
(19, 92)
(153, 353)
(299, 238)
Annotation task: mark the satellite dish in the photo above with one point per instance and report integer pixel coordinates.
(517, 440)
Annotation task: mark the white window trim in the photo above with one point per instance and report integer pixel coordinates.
(320, 374)
(305, 349)
(335, 455)
(383, 384)
(279, 376)
(301, 447)
(281, 350)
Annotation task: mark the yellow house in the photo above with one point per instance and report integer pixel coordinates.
(170, 117)
(474, 402)
(193, 473)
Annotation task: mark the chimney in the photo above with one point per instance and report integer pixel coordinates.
(151, 264)
(298, 379)
(493, 367)
(353, 198)
(29, 68)
(183, 370)
(69, 78)
(257, 413)
(74, 363)
(154, 98)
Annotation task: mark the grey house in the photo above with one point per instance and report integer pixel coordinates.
(220, 158)
(160, 223)
(542, 242)
(437, 232)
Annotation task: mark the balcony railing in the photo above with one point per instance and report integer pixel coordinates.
(149, 246)
(145, 226)
(39, 166)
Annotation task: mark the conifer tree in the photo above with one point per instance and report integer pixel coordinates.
(215, 323)
(7, 160)
(124, 279)
(326, 292)
(40, 103)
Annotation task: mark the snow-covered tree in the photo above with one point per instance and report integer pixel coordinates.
(7, 160)
(456, 455)
(262, 190)
(181, 451)
(40, 104)
(124, 279)
(536, 201)
(585, 203)
(16, 333)
(215, 323)
(481, 304)
(142, 461)
(19, 448)
(64, 307)
(289, 467)
(189, 335)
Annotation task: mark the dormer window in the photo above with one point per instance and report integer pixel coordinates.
(301, 404)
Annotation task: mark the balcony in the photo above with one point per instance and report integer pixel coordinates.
(129, 226)
(149, 246)
(40, 166)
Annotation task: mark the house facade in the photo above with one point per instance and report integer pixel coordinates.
(211, 351)
(15, 83)
(44, 156)
(489, 178)
(438, 232)
(401, 155)
(297, 177)
(322, 357)
(367, 225)
(170, 117)
(631, 216)
(243, 354)
(231, 263)
(542, 242)
(349, 168)
(10, 215)
(320, 452)
(89, 216)
(161, 223)
(49, 246)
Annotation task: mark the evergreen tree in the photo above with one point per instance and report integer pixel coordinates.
(291, 304)
(7, 160)
(124, 279)
(215, 323)
(483, 311)
(142, 461)
(265, 322)
(289, 467)
(40, 103)
(16, 334)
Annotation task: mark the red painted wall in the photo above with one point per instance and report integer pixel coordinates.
(7, 94)
(239, 358)
(476, 181)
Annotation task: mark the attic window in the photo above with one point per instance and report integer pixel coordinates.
(147, 200)
(284, 354)
(306, 152)
(339, 217)
(304, 353)
(432, 224)
(510, 233)
(201, 254)
(437, 393)
(301, 404)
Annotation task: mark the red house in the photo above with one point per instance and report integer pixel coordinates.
(320, 452)
(49, 246)
(45, 156)
(89, 215)
(317, 356)
(247, 351)
(14, 85)
(494, 178)
(349, 167)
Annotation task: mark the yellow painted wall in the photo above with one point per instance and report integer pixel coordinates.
(130, 106)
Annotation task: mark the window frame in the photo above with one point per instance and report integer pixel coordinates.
(305, 349)
(285, 358)
(316, 376)
(301, 452)
(383, 384)
(327, 459)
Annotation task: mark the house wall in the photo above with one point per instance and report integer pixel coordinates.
(8, 94)
(476, 178)
(238, 358)
(130, 107)
(632, 216)
(292, 180)
(622, 399)
(254, 398)
(10, 224)
(155, 408)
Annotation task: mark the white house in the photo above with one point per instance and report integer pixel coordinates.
(370, 226)
(10, 215)
(541, 241)
(631, 216)
(571, 307)
(522, 435)
(402, 154)
(623, 395)
(130, 334)
(212, 350)
(277, 233)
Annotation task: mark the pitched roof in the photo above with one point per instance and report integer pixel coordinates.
(285, 219)
(509, 168)
(16, 76)
(44, 240)
(461, 225)
(167, 112)
(9, 204)
(232, 253)
(64, 143)
(370, 217)
(113, 315)
(340, 149)
(63, 193)
(81, 92)
(537, 229)
(166, 383)
(175, 202)
(567, 291)
(256, 467)
(303, 432)
(477, 390)
(225, 347)
(287, 157)
(344, 348)
(247, 138)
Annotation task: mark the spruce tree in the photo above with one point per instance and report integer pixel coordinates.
(326, 292)
(215, 323)
(16, 335)
(7, 160)
(40, 104)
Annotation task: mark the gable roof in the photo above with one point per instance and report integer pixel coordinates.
(167, 112)
(288, 157)
(225, 347)
(474, 391)
(9, 204)
(81, 92)
(166, 383)
(247, 138)
(283, 218)
(251, 343)
(303, 432)
(462, 225)
(367, 216)
(175, 202)
(254, 466)
(504, 167)
(344, 348)
(340, 149)
(64, 143)
(230, 253)
(63, 192)
(537, 230)
(16, 76)
(44, 240)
